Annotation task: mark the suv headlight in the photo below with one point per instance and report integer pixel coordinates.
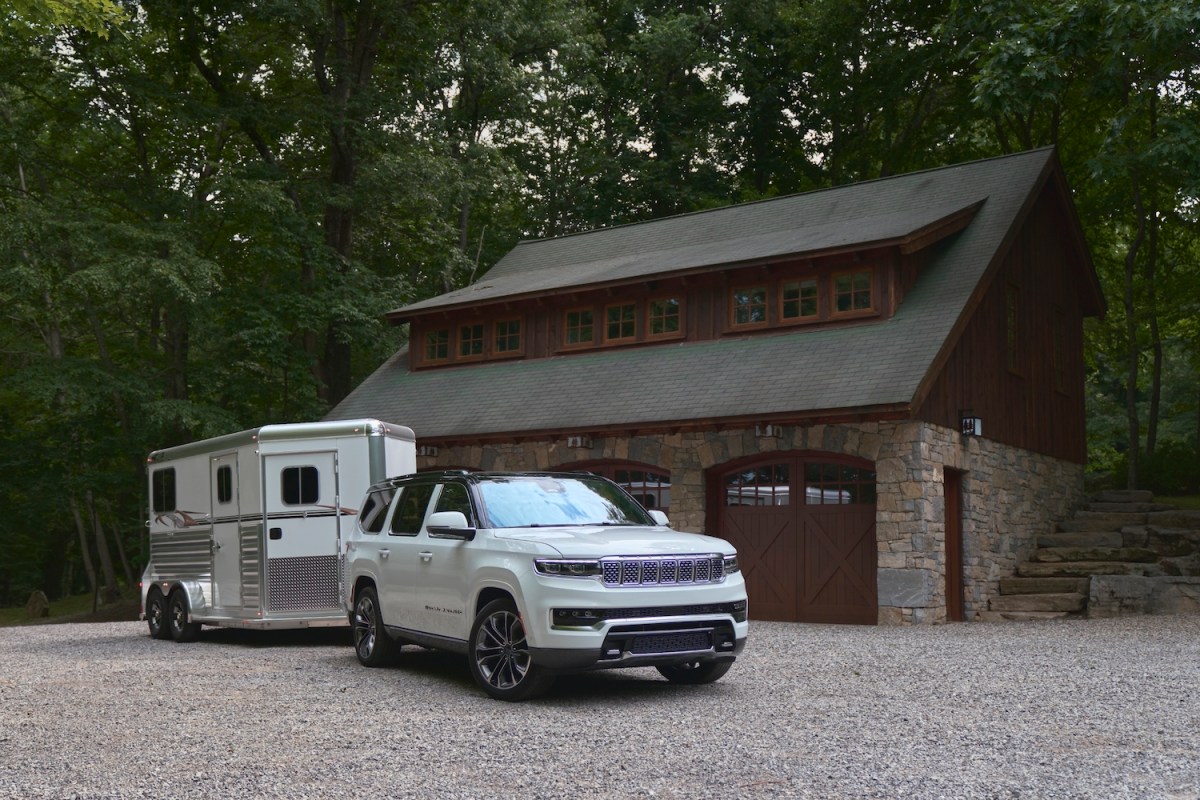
(568, 567)
(731, 565)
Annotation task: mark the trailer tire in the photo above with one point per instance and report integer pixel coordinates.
(372, 643)
(182, 631)
(156, 615)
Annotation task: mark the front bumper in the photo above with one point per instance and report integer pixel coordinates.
(576, 624)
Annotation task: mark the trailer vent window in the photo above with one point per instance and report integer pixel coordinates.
(300, 487)
(224, 484)
(163, 481)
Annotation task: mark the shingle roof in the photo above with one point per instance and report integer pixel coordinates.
(869, 365)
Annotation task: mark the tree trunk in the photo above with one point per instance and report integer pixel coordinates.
(83, 546)
(111, 592)
(126, 566)
(1131, 375)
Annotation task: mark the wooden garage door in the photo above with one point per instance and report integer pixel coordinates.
(804, 527)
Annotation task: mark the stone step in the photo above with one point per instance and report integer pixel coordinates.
(1129, 508)
(1172, 542)
(1086, 539)
(1085, 569)
(1101, 521)
(1124, 496)
(1058, 554)
(1186, 519)
(1020, 616)
(1043, 585)
(1069, 601)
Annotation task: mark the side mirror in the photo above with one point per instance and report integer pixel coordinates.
(659, 518)
(449, 525)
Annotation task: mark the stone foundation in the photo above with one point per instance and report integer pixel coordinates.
(1010, 496)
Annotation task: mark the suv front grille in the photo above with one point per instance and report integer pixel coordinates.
(660, 570)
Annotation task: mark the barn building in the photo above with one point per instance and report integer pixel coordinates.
(874, 391)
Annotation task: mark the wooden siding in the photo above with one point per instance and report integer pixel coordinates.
(1038, 403)
(705, 311)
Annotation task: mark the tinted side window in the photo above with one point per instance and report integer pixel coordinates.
(374, 511)
(454, 497)
(224, 484)
(300, 486)
(163, 483)
(410, 509)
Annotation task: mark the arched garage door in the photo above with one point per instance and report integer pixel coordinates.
(804, 527)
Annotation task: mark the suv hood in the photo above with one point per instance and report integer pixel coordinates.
(596, 541)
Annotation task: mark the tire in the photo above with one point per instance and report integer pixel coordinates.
(499, 654)
(180, 629)
(372, 644)
(695, 672)
(156, 615)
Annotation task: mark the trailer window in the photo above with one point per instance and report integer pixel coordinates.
(163, 483)
(410, 512)
(224, 484)
(374, 511)
(300, 487)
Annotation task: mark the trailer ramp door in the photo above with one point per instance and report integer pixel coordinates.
(303, 531)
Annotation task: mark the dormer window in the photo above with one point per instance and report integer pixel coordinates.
(470, 341)
(663, 316)
(437, 345)
(852, 292)
(798, 300)
(579, 328)
(749, 306)
(508, 338)
(620, 323)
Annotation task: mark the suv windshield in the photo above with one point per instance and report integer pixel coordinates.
(537, 501)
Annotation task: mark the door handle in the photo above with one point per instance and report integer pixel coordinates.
(425, 555)
(216, 546)
(384, 554)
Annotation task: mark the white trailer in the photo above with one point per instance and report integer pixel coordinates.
(246, 529)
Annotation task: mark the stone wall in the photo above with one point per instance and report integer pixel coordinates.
(1010, 496)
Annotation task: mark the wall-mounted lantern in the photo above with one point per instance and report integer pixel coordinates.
(768, 431)
(427, 451)
(969, 424)
(579, 441)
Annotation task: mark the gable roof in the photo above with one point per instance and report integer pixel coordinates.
(876, 367)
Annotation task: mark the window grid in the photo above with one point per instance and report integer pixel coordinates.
(508, 337)
(579, 328)
(768, 485)
(470, 341)
(750, 306)
(799, 300)
(620, 322)
(852, 291)
(664, 317)
(838, 484)
(437, 345)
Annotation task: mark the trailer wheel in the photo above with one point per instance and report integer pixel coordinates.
(177, 619)
(372, 644)
(156, 615)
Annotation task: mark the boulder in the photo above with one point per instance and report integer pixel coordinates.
(38, 605)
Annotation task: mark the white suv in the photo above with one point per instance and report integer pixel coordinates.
(533, 574)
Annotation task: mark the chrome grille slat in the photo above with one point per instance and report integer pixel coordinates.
(663, 570)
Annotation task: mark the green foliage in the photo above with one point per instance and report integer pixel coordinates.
(204, 220)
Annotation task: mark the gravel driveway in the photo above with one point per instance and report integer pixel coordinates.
(1097, 709)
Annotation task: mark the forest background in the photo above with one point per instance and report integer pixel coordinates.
(206, 207)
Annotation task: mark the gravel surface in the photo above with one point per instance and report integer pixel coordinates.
(1095, 709)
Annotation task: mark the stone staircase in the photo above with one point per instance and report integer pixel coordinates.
(1122, 553)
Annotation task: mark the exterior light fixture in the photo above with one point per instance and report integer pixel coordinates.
(579, 441)
(969, 424)
(768, 431)
(427, 450)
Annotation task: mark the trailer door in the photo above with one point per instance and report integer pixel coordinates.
(303, 522)
(226, 545)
